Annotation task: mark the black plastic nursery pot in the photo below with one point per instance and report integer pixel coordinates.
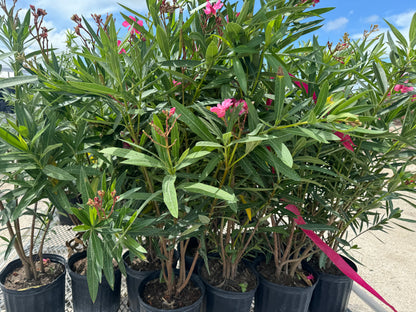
(332, 292)
(133, 281)
(134, 278)
(219, 300)
(47, 298)
(108, 300)
(195, 307)
(271, 297)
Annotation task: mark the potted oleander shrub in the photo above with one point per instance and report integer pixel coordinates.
(105, 231)
(372, 168)
(32, 173)
(213, 115)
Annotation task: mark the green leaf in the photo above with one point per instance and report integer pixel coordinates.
(381, 77)
(208, 190)
(282, 152)
(93, 275)
(318, 227)
(169, 195)
(208, 144)
(398, 35)
(412, 32)
(6, 55)
(192, 158)
(203, 219)
(50, 148)
(108, 267)
(16, 81)
(84, 187)
(96, 245)
(323, 95)
(81, 228)
(133, 157)
(12, 140)
(92, 87)
(57, 173)
(212, 51)
(193, 122)
(240, 74)
(348, 102)
(163, 41)
(279, 94)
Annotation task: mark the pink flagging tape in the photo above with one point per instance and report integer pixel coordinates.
(336, 258)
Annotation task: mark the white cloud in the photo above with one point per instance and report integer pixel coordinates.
(336, 24)
(373, 19)
(402, 22)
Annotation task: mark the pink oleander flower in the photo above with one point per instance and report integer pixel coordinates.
(310, 277)
(122, 50)
(176, 83)
(345, 140)
(131, 28)
(402, 88)
(222, 108)
(269, 102)
(212, 9)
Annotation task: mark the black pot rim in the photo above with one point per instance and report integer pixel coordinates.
(79, 256)
(275, 285)
(132, 272)
(154, 275)
(324, 274)
(40, 289)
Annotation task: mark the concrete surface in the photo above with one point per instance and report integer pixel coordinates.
(389, 264)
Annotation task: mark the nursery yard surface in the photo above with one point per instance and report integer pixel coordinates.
(389, 265)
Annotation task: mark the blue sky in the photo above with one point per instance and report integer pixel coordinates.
(352, 16)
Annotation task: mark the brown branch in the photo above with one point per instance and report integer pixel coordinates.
(183, 285)
(32, 235)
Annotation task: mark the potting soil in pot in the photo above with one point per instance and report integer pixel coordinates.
(17, 280)
(245, 280)
(154, 295)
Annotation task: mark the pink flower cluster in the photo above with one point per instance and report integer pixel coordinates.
(402, 88)
(212, 9)
(131, 28)
(222, 108)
